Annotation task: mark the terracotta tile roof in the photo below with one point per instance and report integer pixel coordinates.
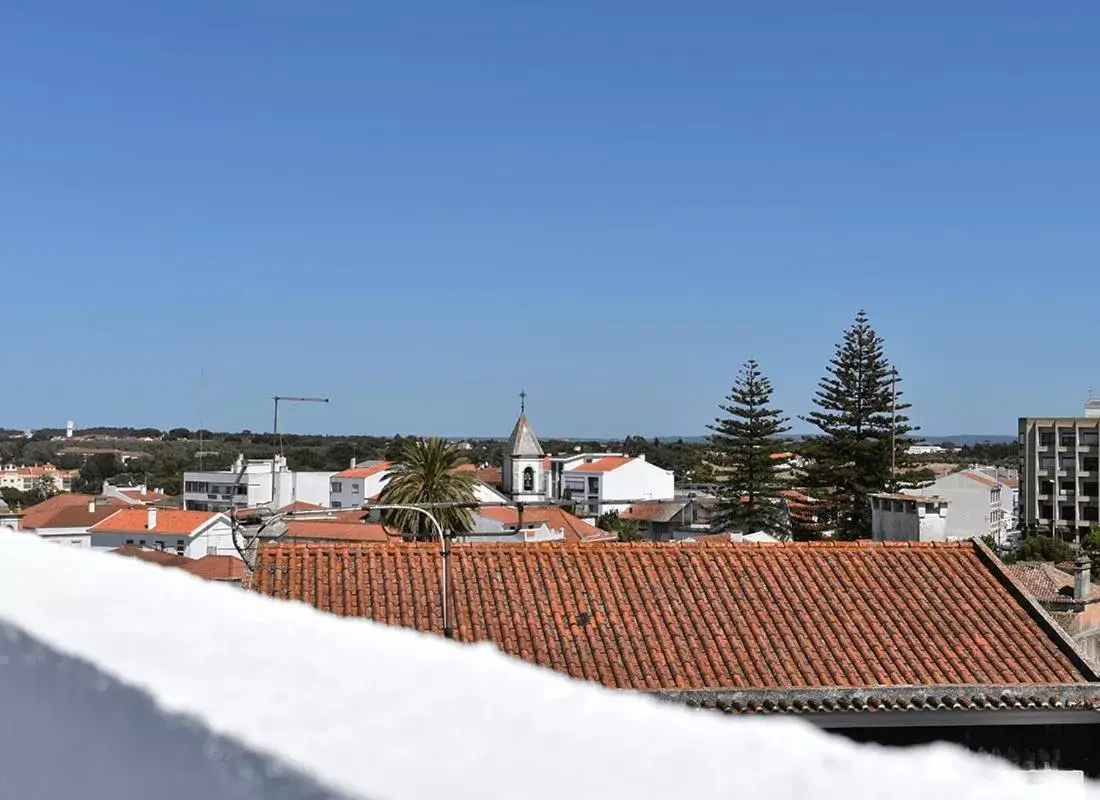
(72, 516)
(301, 505)
(1011, 483)
(655, 512)
(706, 616)
(605, 464)
(170, 521)
(1045, 582)
(215, 568)
(494, 476)
(465, 468)
(41, 514)
(160, 557)
(575, 529)
(145, 497)
(332, 531)
(977, 477)
(365, 471)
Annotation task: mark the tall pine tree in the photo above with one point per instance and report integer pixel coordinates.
(859, 413)
(747, 442)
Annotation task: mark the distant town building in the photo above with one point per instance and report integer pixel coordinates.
(1060, 471)
(264, 482)
(186, 533)
(27, 479)
(981, 504)
(908, 518)
(925, 449)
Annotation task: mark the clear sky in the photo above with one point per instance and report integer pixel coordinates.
(419, 208)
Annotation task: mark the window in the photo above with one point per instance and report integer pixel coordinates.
(593, 508)
(74, 542)
(129, 541)
(1089, 464)
(1090, 438)
(142, 542)
(593, 485)
(1066, 439)
(355, 488)
(1046, 439)
(337, 504)
(528, 480)
(336, 487)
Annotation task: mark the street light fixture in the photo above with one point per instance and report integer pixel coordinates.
(275, 433)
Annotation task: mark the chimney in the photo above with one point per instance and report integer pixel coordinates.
(1082, 579)
(91, 506)
(151, 518)
(352, 464)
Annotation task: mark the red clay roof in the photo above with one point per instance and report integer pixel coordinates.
(301, 505)
(493, 476)
(575, 529)
(41, 515)
(1045, 582)
(332, 531)
(718, 616)
(363, 472)
(605, 464)
(215, 568)
(171, 521)
(985, 480)
(160, 557)
(145, 497)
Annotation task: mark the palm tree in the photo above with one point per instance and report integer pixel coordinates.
(427, 471)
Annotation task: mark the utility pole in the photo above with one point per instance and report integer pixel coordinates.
(893, 429)
(275, 433)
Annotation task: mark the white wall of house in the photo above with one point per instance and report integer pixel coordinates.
(908, 520)
(69, 537)
(977, 509)
(214, 538)
(491, 530)
(352, 492)
(215, 490)
(635, 480)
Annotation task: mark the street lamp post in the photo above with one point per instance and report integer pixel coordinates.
(275, 434)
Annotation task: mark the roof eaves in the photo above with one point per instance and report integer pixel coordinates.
(1072, 697)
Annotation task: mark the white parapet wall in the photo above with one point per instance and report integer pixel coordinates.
(124, 680)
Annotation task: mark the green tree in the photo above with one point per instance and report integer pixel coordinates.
(746, 442)
(427, 472)
(45, 486)
(97, 468)
(1043, 548)
(625, 529)
(859, 412)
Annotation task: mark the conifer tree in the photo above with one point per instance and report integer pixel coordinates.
(746, 443)
(859, 414)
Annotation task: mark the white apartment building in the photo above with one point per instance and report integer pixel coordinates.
(361, 482)
(1060, 472)
(981, 504)
(908, 518)
(265, 482)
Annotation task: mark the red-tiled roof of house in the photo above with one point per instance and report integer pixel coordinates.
(145, 497)
(574, 528)
(301, 505)
(215, 568)
(705, 616)
(332, 531)
(493, 476)
(159, 557)
(365, 471)
(656, 512)
(465, 468)
(1011, 483)
(1045, 582)
(605, 464)
(170, 521)
(41, 515)
(977, 477)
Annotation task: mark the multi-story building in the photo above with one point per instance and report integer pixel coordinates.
(264, 482)
(27, 479)
(1060, 472)
(361, 482)
(982, 503)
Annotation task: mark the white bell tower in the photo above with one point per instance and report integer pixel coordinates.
(523, 476)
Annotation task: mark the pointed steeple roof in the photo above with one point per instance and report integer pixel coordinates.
(523, 441)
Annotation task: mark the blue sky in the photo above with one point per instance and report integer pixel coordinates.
(419, 208)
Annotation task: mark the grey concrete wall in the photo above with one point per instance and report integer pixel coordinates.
(69, 732)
